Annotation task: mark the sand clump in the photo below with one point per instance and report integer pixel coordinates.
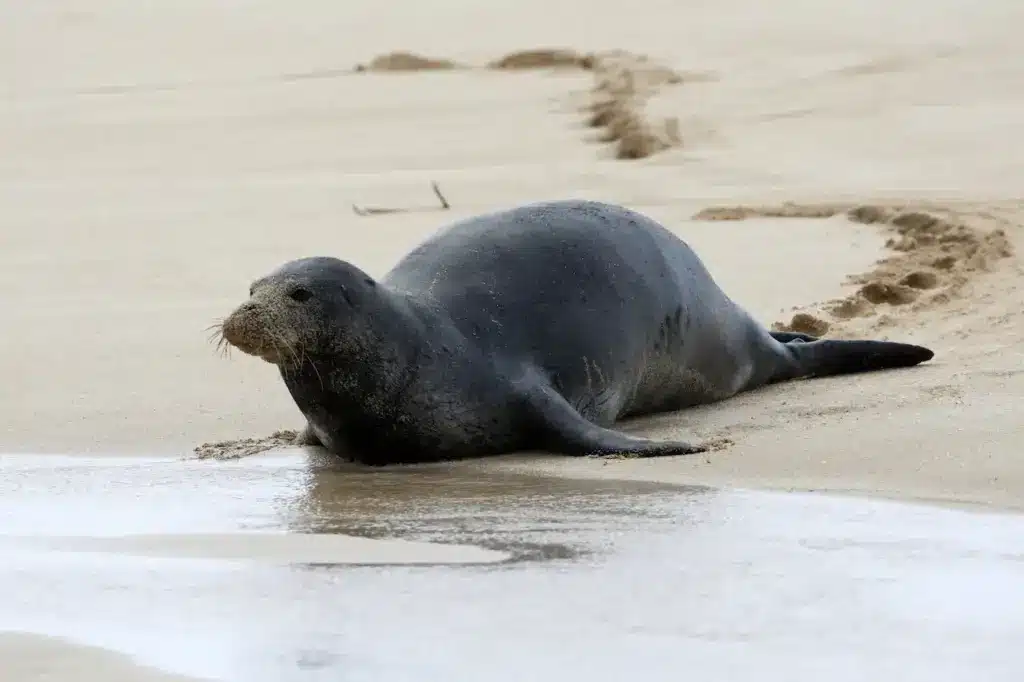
(245, 447)
(803, 323)
(405, 61)
(543, 58)
(788, 210)
(936, 252)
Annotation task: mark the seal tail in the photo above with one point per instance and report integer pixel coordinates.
(824, 358)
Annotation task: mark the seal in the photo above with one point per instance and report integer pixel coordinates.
(532, 328)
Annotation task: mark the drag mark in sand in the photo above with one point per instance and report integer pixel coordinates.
(623, 84)
(936, 252)
(615, 104)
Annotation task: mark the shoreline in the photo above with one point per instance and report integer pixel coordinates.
(570, 469)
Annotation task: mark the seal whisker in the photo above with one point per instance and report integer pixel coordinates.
(301, 358)
(215, 329)
(298, 355)
(216, 336)
(284, 353)
(285, 349)
(223, 347)
(315, 370)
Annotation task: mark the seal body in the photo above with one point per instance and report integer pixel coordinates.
(536, 327)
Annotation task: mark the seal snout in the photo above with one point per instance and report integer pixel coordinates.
(235, 327)
(246, 330)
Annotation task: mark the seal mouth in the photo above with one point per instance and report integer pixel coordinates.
(266, 352)
(270, 355)
(240, 331)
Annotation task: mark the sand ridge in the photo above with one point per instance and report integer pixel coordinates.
(405, 61)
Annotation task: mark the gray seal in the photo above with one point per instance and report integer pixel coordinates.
(533, 328)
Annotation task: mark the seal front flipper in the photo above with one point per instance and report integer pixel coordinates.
(308, 437)
(561, 429)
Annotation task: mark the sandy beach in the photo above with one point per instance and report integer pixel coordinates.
(158, 157)
(848, 169)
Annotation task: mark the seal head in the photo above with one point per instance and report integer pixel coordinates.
(307, 307)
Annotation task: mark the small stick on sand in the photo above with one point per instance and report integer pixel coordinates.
(374, 210)
(444, 202)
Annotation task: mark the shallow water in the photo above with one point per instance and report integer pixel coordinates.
(263, 569)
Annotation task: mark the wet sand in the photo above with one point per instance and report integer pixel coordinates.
(596, 580)
(25, 657)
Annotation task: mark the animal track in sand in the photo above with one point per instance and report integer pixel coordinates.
(936, 252)
(616, 102)
(623, 84)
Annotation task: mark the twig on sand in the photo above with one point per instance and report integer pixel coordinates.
(379, 210)
(444, 202)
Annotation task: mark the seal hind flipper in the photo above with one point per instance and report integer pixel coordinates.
(788, 337)
(561, 429)
(827, 358)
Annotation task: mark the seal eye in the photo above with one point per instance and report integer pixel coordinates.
(300, 295)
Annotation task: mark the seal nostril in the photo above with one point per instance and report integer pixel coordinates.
(300, 295)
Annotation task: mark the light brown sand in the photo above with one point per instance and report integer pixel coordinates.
(37, 658)
(156, 158)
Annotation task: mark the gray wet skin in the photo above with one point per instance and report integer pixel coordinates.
(532, 328)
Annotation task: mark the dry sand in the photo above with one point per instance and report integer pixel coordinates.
(157, 157)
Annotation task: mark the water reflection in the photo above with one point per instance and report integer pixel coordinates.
(531, 517)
